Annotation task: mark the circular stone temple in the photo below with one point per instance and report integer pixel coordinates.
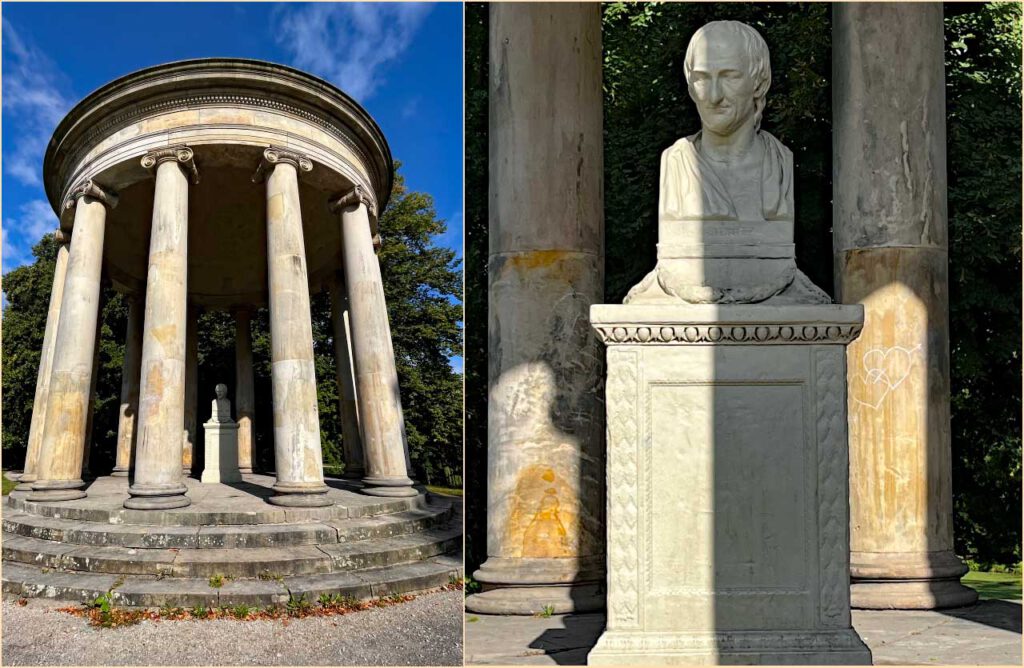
(217, 184)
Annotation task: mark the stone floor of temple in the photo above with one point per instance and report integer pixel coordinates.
(229, 547)
(988, 633)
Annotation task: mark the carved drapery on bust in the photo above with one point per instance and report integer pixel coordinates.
(725, 210)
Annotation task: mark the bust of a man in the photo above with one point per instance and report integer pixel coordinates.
(731, 169)
(725, 208)
(221, 409)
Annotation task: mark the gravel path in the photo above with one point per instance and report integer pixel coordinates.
(424, 632)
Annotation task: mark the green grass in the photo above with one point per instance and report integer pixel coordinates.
(994, 585)
(8, 485)
(447, 491)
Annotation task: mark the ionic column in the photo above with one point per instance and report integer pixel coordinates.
(188, 434)
(545, 420)
(385, 449)
(158, 481)
(890, 243)
(245, 400)
(129, 410)
(59, 473)
(351, 440)
(297, 452)
(35, 432)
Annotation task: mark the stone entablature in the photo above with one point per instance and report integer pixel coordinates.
(227, 112)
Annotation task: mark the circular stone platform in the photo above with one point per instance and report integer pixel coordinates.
(359, 546)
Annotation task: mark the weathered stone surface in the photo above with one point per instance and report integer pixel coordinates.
(737, 550)
(245, 400)
(130, 370)
(388, 551)
(35, 434)
(157, 483)
(381, 422)
(891, 255)
(352, 440)
(59, 473)
(545, 440)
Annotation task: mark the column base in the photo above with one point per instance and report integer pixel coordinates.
(640, 648)
(25, 481)
(527, 586)
(57, 490)
(908, 581)
(157, 497)
(245, 469)
(299, 495)
(119, 472)
(397, 486)
(354, 474)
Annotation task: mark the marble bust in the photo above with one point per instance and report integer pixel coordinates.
(725, 209)
(221, 406)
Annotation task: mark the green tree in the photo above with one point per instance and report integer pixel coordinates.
(983, 105)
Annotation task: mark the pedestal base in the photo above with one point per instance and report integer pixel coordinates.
(157, 496)
(841, 647)
(391, 487)
(908, 581)
(57, 490)
(528, 586)
(728, 496)
(221, 453)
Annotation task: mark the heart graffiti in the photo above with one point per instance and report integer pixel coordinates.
(885, 369)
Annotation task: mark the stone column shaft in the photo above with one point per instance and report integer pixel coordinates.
(385, 450)
(545, 426)
(352, 442)
(90, 441)
(190, 435)
(129, 388)
(889, 135)
(245, 400)
(158, 481)
(35, 433)
(297, 450)
(59, 476)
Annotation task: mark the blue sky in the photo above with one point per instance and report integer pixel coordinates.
(402, 62)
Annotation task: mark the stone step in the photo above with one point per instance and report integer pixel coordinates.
(78, 532)
(245, 511)
(146, 591)
(239, 563)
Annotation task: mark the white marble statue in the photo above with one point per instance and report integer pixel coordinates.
(725, 211)
(221, 441)
(221, 405)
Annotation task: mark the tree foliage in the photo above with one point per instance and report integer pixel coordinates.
(421, 285)
(983, 105)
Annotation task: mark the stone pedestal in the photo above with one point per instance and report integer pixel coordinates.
(221, 452)
(728, 508)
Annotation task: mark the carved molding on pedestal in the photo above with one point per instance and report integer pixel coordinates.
(702, 333)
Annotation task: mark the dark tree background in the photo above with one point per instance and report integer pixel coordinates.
(647, 107)
(422, 284)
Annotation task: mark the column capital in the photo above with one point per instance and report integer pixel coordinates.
(180, 153)
(62, 236)
(357, 195)
(89, 188)
(274, 155)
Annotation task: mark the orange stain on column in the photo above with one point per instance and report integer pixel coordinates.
(542, 522)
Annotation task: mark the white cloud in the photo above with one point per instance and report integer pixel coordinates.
(349, 44)
(34, 100)
(35, 218)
